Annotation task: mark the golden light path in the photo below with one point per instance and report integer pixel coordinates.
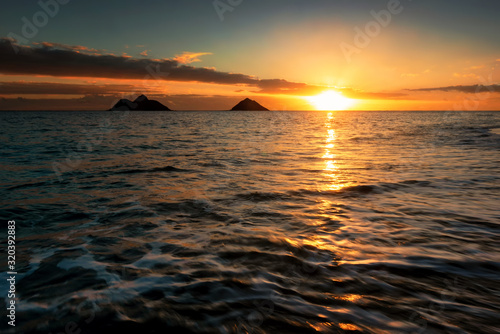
(330, 101)
(330, 164)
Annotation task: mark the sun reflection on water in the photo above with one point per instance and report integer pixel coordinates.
(349, 327)
(331, 168)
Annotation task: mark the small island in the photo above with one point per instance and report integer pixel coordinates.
(249, 105)
(142, 103)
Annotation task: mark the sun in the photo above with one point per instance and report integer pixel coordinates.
(330, 100)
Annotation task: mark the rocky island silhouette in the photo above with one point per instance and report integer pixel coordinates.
(249, 105)
(142, 103)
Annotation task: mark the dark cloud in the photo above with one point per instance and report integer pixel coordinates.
(356, 94)
(77, 48)
(280, 86)
(472, 89)
(55, 60)
(51, 88)
(61, 60)
(88, 102)
(22, 88)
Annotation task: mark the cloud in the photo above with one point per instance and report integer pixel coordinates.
(75, 48)
(88, 102)
(356, 94)
(466, 75)
(190, 57)
(280, 86)
(60, 60)
(267, 86)
(49, 59)
(144, 53)
(472, 89)
(28, 88)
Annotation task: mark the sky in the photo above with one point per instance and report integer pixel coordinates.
(286, 54)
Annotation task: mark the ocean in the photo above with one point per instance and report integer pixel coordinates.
(252, 222)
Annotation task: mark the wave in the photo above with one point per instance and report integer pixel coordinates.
(152, 170)
(28, 185)
(349, 191)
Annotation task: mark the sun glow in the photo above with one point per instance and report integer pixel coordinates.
(330, 100)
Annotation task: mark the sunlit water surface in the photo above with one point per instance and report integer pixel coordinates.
(259, 222)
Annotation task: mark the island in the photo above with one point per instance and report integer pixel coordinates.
(142, 103)
(249, 105)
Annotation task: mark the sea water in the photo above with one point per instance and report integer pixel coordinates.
(253, 222)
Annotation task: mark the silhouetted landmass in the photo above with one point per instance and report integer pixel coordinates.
(142, 103)
(248, 104)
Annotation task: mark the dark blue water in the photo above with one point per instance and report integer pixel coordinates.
(253, 222)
